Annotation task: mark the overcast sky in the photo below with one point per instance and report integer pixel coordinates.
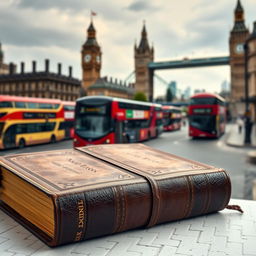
(56, 29)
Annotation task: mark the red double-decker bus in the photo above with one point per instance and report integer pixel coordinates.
(101, 119)
(26, 121)
(69, 118)
(172, 118)
(207, 115)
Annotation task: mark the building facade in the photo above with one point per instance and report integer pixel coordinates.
(42, 84)
(4, 68)
(238, 36)
(92, 83)
(91, 59)
(251, 43)
(111, 87)
(143, 54)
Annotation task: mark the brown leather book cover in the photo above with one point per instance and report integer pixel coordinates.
(104, 189)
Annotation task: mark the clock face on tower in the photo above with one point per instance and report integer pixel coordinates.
(87, 58)
(98, 59)
(239, 48)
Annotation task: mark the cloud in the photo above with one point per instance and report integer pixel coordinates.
(139, 5)
(74, 5)
(29, 28)
(17, 31)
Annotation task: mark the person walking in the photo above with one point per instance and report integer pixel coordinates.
(240, 123)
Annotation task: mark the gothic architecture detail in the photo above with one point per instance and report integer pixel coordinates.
(91, 59)
(111, 87)
(143, 54)
(238, 36)
(4, 68)
(251, 43)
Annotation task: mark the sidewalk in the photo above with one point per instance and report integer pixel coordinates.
(236, 139)
(224, 233)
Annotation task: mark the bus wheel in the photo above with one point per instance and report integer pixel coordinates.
(53, 139)
(22, 143)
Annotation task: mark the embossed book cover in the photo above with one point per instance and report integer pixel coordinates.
(72, 195)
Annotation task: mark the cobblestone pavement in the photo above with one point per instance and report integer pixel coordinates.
(220, 234)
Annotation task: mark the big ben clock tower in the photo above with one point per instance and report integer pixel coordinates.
(91, 59)
(238, 36)
(143, 54)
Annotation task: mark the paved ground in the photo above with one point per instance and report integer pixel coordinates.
(236, 139)
(225, 233)
(219, 234)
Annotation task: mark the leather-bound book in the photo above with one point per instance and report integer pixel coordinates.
(66, 196)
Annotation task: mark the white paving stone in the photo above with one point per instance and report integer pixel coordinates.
(220, 234)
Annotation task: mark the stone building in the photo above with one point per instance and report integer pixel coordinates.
(4, 68)
(251, 43)
(92, 82)
(238, 36)
(143, 54)
(112, 88)
(43, 84)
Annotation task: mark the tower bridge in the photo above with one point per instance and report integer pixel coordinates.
(189, 63)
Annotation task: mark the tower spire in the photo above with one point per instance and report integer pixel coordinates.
(91, 36)
(239, 6)
(239, 25)
(144, 45)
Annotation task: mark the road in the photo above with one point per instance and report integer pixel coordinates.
(212, 152)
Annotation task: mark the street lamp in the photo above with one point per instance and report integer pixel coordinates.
(248, 124)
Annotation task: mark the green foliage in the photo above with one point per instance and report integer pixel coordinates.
(140, 96)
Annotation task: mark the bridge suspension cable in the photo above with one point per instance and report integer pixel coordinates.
(159, 78)
(130, 78)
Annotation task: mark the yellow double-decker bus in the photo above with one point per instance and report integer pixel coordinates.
(26, 121)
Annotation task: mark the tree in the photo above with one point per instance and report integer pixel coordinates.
(140, 96)
(169, 96)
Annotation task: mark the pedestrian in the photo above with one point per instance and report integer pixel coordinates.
(240, 123)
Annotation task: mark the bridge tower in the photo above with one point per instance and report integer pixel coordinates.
(238, 36)
(143, 54)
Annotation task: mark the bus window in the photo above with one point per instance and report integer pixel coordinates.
(21, 128)
(159, 122)
(66, 125)
(203, 101)
(32, 105)
(93, 126)
(45, 105)
(50, 126)
(19, 104)
(9, 136)
(69, 108)
(204, 123)
(6, 104)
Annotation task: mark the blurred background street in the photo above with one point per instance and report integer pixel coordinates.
(209, 151)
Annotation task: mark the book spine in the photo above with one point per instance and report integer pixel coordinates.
(101, 212)
(114, 209)
(193, 195)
